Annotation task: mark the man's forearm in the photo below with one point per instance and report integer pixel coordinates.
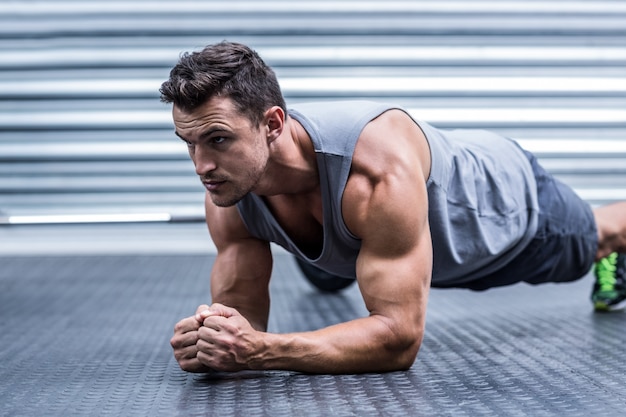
(363, 345)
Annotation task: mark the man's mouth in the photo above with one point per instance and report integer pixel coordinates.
(212, 185)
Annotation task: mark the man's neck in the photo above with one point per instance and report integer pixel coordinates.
(292, 168)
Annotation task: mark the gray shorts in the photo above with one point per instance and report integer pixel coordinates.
(564, 246)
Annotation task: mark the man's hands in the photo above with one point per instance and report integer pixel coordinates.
(216, 338)
(185, 340)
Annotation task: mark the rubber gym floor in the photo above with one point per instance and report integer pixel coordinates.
(89, 336)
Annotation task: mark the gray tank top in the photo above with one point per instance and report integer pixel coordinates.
(481, 193)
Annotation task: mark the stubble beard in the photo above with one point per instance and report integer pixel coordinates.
(239, 191)
(227, 201)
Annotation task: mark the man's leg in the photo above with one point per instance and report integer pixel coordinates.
(611, 225)
(609, 290)
(564, 246)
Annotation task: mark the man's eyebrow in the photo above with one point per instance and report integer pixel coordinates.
(204, 134)
(212, 130)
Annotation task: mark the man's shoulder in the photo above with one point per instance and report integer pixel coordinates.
(329, 105)
(393, 136)
(334, 127)
(340, 110)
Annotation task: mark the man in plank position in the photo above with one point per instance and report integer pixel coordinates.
(363, 191)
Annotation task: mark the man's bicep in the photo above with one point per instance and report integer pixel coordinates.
(396, 284)
(394, 269)
(395, 287)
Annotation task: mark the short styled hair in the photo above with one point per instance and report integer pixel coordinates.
(226, 69)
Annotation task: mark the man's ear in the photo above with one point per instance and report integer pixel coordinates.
(274, 122)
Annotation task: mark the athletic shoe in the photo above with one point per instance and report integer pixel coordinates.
(609, 290)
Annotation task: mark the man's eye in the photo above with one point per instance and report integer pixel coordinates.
(218, 140)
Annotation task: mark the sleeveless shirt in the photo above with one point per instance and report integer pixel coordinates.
(482, 197)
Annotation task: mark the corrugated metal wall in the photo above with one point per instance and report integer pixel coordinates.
(82, 131)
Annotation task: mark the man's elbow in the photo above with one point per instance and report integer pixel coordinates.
(399, 343)
(403, 349)
(405, 358)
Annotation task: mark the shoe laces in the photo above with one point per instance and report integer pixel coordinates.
(606, 269)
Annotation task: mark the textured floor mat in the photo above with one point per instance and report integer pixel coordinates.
(89, 336)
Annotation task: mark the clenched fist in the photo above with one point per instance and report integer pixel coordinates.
(216, 338)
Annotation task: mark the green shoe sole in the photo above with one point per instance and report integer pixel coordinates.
(603, 307)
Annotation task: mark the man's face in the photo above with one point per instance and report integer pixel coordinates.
(229, 153)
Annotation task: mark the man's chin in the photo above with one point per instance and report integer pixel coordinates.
(223, 201)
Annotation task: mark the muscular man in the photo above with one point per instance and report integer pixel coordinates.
(362, 191)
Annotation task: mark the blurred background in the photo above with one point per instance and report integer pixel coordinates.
(89, 162)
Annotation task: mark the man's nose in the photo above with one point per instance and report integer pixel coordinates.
(204, 161)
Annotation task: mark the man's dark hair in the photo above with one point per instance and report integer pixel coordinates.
(224, 69)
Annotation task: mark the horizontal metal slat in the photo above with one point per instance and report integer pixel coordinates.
(155, 119)
(333, 86)
(141, 8)
(173, 167)
(356, 55)
(106, 199)
(585, 165)
(309, 24)
(103, 183)
(92, 150)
